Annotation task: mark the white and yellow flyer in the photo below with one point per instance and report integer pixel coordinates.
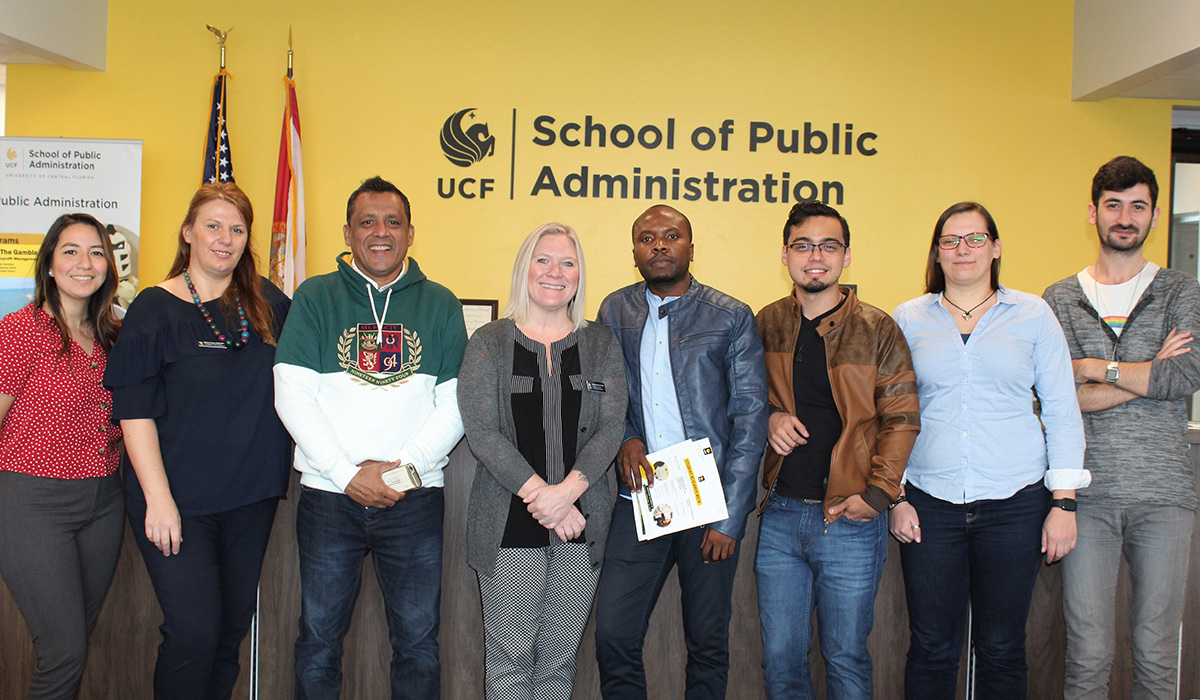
(686, 493)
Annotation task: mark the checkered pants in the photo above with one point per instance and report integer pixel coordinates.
(535, 606)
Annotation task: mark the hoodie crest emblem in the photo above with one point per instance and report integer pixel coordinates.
(379, 359)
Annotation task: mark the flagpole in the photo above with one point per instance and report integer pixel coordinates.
(221, 36)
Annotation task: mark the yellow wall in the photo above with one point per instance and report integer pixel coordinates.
(970, 101)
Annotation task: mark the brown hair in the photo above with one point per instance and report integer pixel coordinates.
(100, 315)
(245, 283)
(935, 276)
(1122, 173)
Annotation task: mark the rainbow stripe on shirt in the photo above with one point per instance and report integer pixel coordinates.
(1117, 323)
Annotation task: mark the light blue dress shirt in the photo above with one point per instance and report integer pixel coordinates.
(660, 405)
(979, 436)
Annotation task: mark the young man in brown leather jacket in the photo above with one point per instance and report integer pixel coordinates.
(844, 417)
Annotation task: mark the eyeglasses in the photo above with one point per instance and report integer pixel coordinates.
(829, 247)
(973, 240)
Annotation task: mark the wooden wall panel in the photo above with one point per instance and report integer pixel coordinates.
(1189, 664)
(123, 647)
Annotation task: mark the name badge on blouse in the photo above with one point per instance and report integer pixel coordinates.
(596, 386)
(211, 344)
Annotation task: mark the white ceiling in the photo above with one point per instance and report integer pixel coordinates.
(15, 52)
(72, 33)
(1181, 85)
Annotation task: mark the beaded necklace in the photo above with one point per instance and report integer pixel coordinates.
(233, 344)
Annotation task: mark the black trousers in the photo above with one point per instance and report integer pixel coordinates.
(207, 593)
(632, 578)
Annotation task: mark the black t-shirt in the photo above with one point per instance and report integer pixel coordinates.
(804, 473)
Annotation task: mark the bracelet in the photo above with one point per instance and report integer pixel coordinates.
(898, 501)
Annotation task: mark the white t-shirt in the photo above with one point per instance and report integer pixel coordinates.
(1114, 302)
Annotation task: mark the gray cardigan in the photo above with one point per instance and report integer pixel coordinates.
(1137, 451)
(486, 404)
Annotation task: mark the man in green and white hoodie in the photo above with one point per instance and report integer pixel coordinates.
(365, 380)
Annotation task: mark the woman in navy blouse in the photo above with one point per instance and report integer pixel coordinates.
(979, 515)
(192, 387)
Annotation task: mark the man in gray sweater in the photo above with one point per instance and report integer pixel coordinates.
(1130, 325)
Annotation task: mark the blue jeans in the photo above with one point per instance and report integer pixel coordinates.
(987, 552)
(1155, 540)
(632, 578)
(801, 564)
(334, 534)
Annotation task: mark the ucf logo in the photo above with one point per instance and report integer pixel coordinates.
(466, 146)
(379, 358)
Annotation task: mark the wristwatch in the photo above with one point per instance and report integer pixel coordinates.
(1112, 372)
(1067, 504)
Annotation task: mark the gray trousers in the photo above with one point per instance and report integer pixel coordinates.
(535, 606)
(1155, 541)
(59, 542)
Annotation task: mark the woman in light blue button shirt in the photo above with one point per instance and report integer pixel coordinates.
(983, 475)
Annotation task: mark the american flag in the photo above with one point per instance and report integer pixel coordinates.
(218, 160)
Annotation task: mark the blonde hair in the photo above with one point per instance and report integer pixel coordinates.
(518, 299)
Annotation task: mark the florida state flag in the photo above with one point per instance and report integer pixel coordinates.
(287, 228)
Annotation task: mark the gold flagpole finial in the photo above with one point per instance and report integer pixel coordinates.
(221, 36)
(289, 52)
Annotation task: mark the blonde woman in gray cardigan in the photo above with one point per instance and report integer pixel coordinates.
(542, 394)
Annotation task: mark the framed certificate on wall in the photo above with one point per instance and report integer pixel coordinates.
(477, 312)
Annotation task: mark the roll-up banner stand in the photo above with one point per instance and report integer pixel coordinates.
(42, 179)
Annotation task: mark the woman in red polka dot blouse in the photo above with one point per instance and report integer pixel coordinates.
(60, 497)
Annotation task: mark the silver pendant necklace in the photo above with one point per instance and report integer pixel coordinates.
(966, 313)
